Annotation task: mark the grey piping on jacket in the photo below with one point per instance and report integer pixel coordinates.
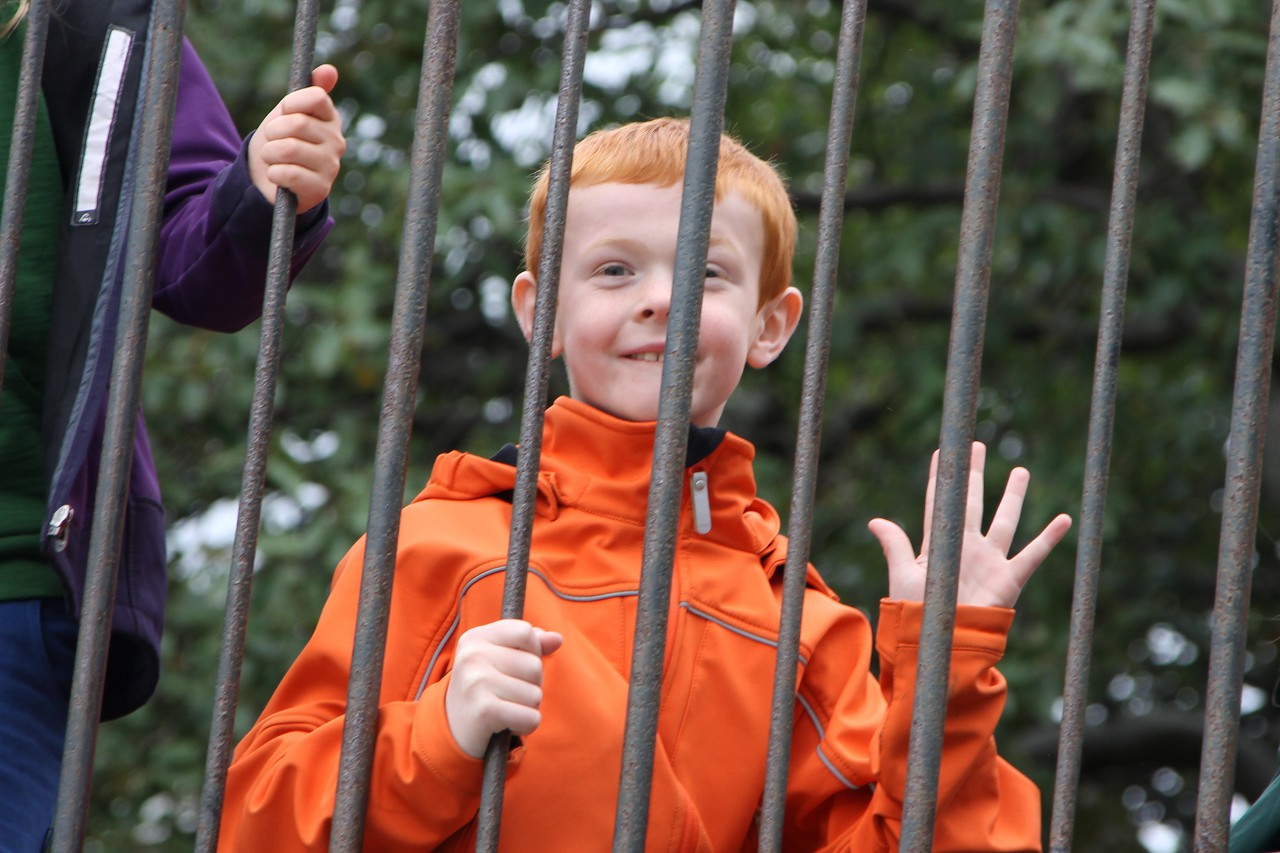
(453, 627)
(808, 709)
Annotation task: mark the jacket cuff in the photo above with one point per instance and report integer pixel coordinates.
(979, 629)
(434, 745)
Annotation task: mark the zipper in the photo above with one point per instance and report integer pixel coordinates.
(701, 501)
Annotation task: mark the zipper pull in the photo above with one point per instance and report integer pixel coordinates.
(60, 527)
(701, 502)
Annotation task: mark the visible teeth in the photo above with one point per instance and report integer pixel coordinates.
(647, 356)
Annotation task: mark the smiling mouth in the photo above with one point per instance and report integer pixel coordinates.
(646, 356)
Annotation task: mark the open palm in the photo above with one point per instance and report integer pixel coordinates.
(988, 575)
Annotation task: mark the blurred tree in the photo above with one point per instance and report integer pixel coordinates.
(884, 399)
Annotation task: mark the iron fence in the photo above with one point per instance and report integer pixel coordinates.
(982, 192)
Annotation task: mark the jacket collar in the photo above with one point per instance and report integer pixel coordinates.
(602, 465)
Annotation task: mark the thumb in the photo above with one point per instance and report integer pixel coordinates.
(549, 641)
(325, 76)
(893, 541)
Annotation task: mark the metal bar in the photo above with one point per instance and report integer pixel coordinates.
(535, 388)
(1101, 422)
(672, 436)
(1237, 548)
(959, 410)
(18, 173)
(430, 147)
(249, 518)
(164, 44)
(808, 441)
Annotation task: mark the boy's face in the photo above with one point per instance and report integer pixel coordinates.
(615, 296)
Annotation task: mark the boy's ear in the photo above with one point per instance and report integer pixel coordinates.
(524, 295)
(778, 319)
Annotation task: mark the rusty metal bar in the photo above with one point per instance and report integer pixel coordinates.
(18, 173)
(1237, 548)
(959, 411)
(809, 436)
(249, 518)
(1101, 422)
(672, 436)
(163, 51)
(535, 389)
(395, 422)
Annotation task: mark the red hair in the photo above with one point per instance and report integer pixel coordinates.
(653, 152)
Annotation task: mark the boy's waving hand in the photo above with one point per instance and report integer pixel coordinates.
(988, 575)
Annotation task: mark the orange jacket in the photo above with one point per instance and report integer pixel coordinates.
(850, 736)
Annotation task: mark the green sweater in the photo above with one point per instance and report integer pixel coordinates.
(23, 572)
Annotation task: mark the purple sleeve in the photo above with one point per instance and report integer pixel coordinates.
(216, 232)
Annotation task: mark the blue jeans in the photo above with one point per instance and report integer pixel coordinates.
(37, 656)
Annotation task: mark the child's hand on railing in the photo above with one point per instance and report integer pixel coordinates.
(496, 682)
(299, 145)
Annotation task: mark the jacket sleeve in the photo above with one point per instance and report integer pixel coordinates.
(281, 786)
(849, 750)
(216, 228)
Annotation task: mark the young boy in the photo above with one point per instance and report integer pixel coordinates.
(454, 674)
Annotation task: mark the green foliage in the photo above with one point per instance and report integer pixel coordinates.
(898, 255)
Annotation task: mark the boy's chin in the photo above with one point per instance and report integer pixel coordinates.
(635, 414)
(646, 411)
(640, 407)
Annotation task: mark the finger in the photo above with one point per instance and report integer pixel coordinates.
(313, 100)
(480, 665)
(310, 188)
(519, 664)
(303, 125)
(522, 720)
(297, 179)
(325, 76)
(1005, 522)
(1029, 558)
(549, 640)
(289, 162)
(973, 503)
(298, 167)
(495, 714)
(517, 692)
(929, 490)
(893, 541)
(511, 633)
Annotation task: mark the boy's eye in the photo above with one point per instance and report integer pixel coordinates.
(613, 270)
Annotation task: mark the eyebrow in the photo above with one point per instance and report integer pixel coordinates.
(611, 243)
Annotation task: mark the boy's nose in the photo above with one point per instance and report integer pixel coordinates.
(655, 300)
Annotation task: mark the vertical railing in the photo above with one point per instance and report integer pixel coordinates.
(672, 436)
(18, 173)
(164, 44)
(535, 389)
(253, 482)
(1124, 194)
(959, 411)
(435, 88)
(1237, 547)
(804, 482)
